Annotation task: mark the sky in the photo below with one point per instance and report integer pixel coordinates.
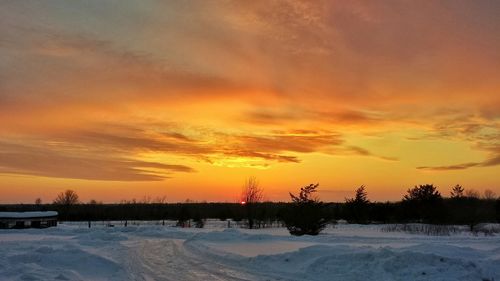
(123, 99)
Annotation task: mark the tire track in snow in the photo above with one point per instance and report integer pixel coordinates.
(168, 260)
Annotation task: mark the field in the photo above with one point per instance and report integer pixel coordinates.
(72, 251)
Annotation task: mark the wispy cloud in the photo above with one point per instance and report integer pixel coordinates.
(490, 162)
(479, 131)
(115, 151)
(43, 161)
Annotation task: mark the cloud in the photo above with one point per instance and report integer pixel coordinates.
(490, 162)
(293, 143)
(462, 166)
(240, 71)
(264, 156)
(112, 151)
(365, 152)
(481, 132)
(42, 161)
(140, 141)
(341, 117)
(334, 52)
(276, 147)
(322, 55)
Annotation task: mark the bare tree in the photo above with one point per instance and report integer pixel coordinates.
(252, 194)
(38, 201)
(68, 197)
(489, 194)
(161, 200)
(471, 193)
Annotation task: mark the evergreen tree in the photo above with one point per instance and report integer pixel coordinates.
(361, 196)
(305, 215)
(424, 203)
(357, 207)
(423, 193)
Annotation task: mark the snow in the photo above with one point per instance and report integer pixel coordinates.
(72, 251)
(252, 249)
(18, 215)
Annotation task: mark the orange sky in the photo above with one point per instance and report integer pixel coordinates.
(186, 99)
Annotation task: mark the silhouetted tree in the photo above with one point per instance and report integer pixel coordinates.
(251, 195)
(424, 193)
(497, 208)
(305, 214)
(38, 201)
(384, 212)
(357, 207)
(199, 221)
(457, 191)
(65, 202)
(489, 194)
(464, 211)
(471, 193)
(68, 197)
(471, 210)
(424, 202)
(361, 196)
(94, 202)
(184, 216)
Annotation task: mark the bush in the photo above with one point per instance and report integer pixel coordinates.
(417, 228)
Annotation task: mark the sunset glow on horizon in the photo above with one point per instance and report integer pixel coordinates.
(186, 99)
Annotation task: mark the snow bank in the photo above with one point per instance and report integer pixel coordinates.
(153, 252)
(352, 263)
(352, 255)
(54, 260)
(71, 264)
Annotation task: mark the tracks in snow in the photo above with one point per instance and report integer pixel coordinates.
(168, 260)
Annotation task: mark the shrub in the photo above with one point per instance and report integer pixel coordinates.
(427, 229)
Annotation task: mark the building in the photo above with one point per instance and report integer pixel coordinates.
(28, 219)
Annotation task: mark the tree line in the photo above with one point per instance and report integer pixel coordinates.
(304, 214)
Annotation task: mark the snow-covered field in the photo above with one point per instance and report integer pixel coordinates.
(155, 252)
